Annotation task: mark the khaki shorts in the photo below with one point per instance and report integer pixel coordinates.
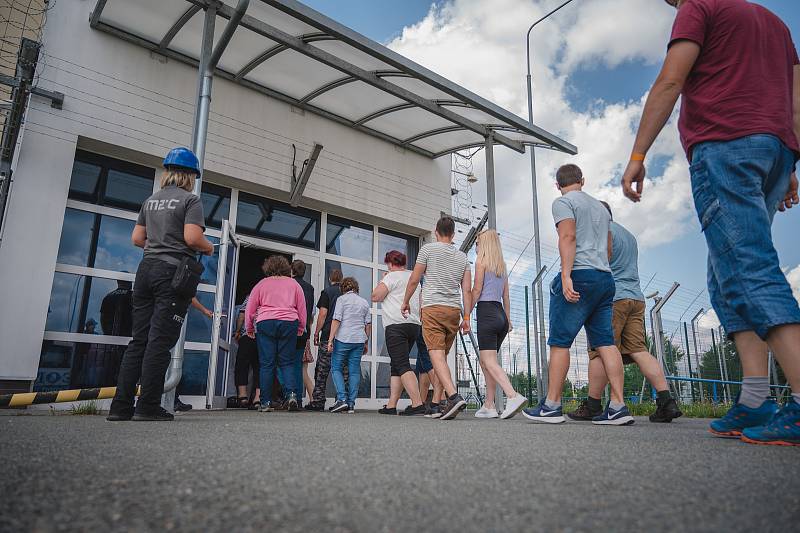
(440, 325)
(628, 323)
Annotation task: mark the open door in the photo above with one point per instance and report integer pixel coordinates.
(224, 320)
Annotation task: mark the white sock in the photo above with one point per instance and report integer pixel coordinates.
(552, 405)
(796, 396)
(755, 390)
(616, 406)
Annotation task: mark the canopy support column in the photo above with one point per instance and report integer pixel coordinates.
(490, 199)
(209, 58)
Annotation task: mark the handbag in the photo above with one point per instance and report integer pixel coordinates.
(308, 357)
(187, 277)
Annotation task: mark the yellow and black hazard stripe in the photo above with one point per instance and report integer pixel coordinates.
(77, 395)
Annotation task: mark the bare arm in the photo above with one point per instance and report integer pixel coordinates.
(413, 282)
(791, 199)
(334, 330)
(139, 236)
(202, 308)
(380, 292)
(477, 286)
(368, 331)
(610, 245)
(680, 59)
(567, 250)
(196, 240)
(466, 295)
(323, 314)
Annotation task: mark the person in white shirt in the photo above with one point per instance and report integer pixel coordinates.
(401, 332)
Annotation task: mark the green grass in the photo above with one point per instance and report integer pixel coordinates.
(690, 410)
(88, 407)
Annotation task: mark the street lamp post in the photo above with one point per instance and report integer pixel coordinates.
(538, 319)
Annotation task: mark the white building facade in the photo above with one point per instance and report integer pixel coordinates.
(82, 172)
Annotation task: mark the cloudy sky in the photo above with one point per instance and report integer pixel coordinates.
(593, 63)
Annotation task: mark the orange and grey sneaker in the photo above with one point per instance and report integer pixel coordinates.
(782, 430)
(740, 417)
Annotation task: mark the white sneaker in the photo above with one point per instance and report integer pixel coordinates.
(486, 413)
(513, 406)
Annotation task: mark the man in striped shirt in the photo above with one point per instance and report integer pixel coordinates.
(446, 272)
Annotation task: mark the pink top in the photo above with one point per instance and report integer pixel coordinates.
(276, 298)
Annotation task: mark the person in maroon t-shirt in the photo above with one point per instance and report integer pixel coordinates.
(736, 67)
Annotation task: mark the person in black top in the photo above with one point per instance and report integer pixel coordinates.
(298, 271)
(169, 228)
(326, 305)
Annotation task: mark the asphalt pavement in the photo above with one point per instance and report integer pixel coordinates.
(287, 472)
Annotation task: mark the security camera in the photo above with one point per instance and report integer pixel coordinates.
(651, 295)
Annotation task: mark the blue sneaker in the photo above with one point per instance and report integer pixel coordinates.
(740, 417)
(782, 430)
(611, 417)
(543, 414)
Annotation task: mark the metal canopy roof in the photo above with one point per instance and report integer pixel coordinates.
(290, 52)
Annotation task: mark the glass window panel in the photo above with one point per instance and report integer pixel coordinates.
(364, 387)
(198, 325)
(389, 240)
(114, 248)
(349, 239)
(276, 221)
(195, 373)
(77, 365)
(66, 297)
(362, 274)
(378, 332)
(106, 297)
(211, 263)
(76, 237)
(126, 190)
(84, 184)
(216, 204)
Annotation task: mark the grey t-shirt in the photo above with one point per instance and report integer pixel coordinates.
(625, 264)
(591, 229)
(444, 269)
(164, 215)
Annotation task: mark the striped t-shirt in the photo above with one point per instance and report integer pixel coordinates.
(444, 269)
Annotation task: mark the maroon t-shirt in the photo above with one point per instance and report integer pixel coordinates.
(742, 81)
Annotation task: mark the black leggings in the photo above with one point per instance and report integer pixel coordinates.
(246, 358)
(400, 338)
(492, 325)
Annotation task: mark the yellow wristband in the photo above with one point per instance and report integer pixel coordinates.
(636, 156)
(466, 317)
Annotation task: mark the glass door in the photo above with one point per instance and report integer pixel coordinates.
(224, 320)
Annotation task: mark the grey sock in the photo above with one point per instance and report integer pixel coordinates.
(616, 406)
(552, 405)
(796, 396)
(755, 390)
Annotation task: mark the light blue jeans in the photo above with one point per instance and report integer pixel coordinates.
(347, 353)
(737, 186)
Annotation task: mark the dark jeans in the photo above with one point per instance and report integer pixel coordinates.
(321, 372)
(246, 358)
(158, 314)
(276, 341)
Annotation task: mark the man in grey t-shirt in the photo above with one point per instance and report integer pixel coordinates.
(581, 297)
(629, 332)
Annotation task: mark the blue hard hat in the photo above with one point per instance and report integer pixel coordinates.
(182, 158)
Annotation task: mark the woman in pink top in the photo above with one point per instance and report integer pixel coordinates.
(276, 309)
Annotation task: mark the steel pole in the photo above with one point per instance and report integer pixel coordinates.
(528, 341)
(688, 357)
(722, 341)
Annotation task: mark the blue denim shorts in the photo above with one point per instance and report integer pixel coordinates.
(593, 311)
(736, 187)
(424, 364)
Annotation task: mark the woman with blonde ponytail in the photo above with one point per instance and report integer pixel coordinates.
(490, 291)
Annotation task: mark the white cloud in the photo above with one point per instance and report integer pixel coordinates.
(709, 320)
(481, 45)
(793, 276)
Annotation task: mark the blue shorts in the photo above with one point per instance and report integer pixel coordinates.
(424, 364)
(736, 187)
(593, 311)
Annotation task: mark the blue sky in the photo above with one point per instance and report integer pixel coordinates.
(681, 259)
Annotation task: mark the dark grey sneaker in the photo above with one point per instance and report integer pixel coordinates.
(666, 412)
(339, 407)
(432, 411)
(291, 404)
(162, 415)
(454, 405)
(414, 411)
(584, 412)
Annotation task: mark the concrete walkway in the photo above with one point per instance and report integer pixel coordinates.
(243, 471)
